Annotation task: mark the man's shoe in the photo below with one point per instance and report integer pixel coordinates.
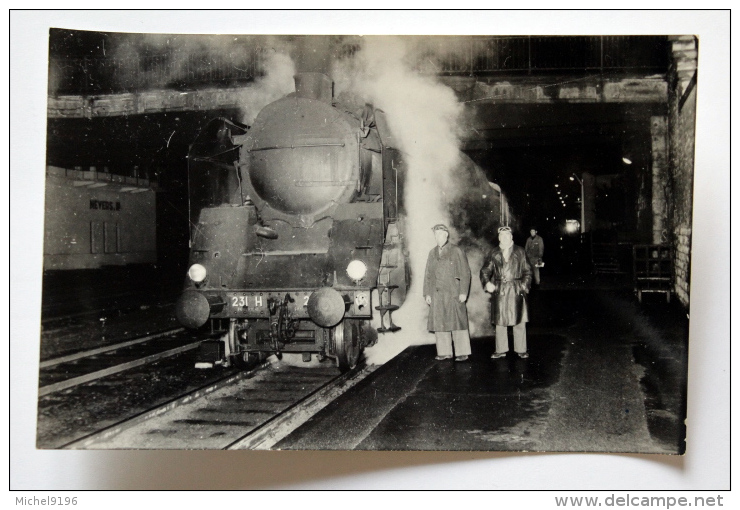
(497, 355)
(524, 355)
(461, 358)
(442, 358)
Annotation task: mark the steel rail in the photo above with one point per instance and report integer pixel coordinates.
(266, 435)
(107, 348)
(77, 315)
(76, 381)
(127, 423)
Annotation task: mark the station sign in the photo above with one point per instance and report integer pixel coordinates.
(105, 205)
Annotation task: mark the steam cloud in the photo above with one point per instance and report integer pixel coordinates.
(424, 117)
(397, 75)
(276, 83)
(160, 60)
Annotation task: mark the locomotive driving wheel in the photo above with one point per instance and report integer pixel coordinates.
(347, 344)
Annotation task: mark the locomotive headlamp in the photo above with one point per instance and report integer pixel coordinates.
(197, 273)
(356, 270)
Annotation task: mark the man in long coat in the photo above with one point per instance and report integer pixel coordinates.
(535, 249)
(507, 275)
(446, 286)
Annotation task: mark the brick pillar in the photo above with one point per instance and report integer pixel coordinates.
(660, 176)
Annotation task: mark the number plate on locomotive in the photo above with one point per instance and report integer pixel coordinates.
(257, 304)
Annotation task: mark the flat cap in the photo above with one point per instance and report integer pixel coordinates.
(441, 226)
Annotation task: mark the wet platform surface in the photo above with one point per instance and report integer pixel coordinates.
(605, 375)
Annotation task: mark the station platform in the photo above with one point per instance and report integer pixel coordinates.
(605, 374)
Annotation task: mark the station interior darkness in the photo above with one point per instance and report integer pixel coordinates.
(532, 150)
(526, 149)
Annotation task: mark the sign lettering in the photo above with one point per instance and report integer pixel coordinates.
(105, 205)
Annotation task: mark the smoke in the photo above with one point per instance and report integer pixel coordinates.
(276, 83)
(163, 61)
(424, 116)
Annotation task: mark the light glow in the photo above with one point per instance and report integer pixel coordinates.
(197, 273)
(572, 226)
(356, 270)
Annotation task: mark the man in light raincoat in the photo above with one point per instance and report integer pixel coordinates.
(507, 275)
(446, 286)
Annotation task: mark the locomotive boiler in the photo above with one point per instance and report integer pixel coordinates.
(295, 221)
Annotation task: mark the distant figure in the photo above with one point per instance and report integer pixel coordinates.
(507, 275)
(535, 248)
(446, 286)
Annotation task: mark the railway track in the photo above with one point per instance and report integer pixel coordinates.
(55, 312)
(246, 410)
(86, 366)
(145, 393)
(50, 322)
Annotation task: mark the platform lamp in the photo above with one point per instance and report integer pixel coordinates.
(574, 177)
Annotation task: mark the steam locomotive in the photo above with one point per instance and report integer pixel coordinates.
(295, 221)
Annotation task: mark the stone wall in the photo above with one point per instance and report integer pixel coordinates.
(683, 263)
(661, 192)
(681, 119)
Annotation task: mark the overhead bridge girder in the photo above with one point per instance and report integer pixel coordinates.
(140, 103)
(560, 89)
(593, 89)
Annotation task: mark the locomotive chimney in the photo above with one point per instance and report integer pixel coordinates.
(314, 86)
